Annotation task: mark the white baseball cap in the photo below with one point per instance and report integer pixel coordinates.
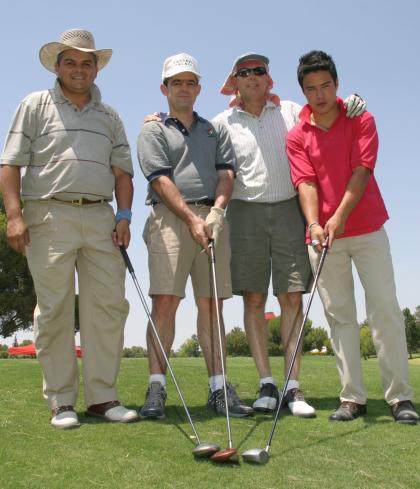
(178, 64)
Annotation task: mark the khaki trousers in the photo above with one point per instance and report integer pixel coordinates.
(371, 256)
(63, 238)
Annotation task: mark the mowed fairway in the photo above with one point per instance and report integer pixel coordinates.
(313, 453)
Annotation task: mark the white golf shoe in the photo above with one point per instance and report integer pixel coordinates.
(112, 411)
(64, 418)
(295, 400)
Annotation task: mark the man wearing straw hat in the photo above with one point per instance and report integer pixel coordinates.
(76, 156)
(266, 223)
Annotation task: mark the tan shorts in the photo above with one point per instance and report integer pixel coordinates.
(174, 255)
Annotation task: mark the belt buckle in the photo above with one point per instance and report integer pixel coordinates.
(78, 202)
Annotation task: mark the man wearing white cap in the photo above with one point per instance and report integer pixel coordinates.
(189, 164)
(266, 223)
(76, 156)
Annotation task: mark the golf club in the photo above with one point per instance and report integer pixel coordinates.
(227, 454)
(202, 450)
(260, 455)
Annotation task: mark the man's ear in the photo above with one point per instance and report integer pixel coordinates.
(164, 89)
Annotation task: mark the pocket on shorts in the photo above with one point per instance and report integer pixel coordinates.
(162, 232)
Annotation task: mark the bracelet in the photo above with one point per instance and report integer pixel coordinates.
(123, 214)
(312, 224)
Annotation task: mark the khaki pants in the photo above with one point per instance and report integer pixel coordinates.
(64, 237)
(371, 256)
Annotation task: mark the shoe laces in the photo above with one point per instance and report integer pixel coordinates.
(268, 390)
(218, 396)
(155, 395)
(294, 395)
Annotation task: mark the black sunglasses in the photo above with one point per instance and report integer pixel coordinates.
(245, 72)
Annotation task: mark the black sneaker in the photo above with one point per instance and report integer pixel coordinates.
(348, 411)
(268, 397)
(154, 404)
(237, 408)
(404, 412)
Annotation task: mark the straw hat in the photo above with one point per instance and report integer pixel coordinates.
(79, 39)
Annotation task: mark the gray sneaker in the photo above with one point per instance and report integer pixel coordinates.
(268, 397)
(154, 404)
(237, 407)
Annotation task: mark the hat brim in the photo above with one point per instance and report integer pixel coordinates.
(49, 52)
(177, 70)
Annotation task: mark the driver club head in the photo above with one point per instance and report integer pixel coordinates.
(227, 455)
(205, 450)
(256, 456)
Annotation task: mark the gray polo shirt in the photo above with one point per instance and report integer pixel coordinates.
(191, 158)
(67, 152)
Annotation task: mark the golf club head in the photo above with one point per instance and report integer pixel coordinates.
(205, 450)
(256, 456)
(227, 455)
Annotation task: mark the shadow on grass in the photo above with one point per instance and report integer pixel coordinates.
(376, 408)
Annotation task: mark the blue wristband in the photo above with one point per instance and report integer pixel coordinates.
(123, 214)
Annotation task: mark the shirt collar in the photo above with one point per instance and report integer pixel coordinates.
(268, 105)
(95, 94)
(166, 119)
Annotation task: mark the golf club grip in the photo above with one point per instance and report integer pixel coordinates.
(126, 258)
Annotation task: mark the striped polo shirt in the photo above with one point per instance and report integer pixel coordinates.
(67, 152)
(263, 173)
(190, 157)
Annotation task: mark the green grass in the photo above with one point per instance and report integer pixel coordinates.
(373, 452)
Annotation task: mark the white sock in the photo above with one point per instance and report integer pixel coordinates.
(216, 382)
(267, 380)
(292, 384)
(158, 378)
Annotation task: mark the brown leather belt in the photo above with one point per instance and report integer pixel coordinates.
(80, 201)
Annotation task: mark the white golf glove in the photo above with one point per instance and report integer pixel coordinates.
(355, 105)
(214, 221)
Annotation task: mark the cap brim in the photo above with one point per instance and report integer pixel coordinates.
(249, 57)
(49, 52)
(176, 71)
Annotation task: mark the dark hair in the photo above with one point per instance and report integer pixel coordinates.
(316, 61)
(166, 80)
(60, 55)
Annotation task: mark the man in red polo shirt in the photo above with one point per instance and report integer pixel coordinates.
(332, 161)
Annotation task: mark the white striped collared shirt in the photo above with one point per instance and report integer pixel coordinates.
(263, 173)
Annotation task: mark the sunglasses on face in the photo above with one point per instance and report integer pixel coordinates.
(245, 72)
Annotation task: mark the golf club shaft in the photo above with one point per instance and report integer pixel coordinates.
(305, 317)
(219, 330)
(152, 324)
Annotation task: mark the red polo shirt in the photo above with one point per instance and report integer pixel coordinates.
(328, 159)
